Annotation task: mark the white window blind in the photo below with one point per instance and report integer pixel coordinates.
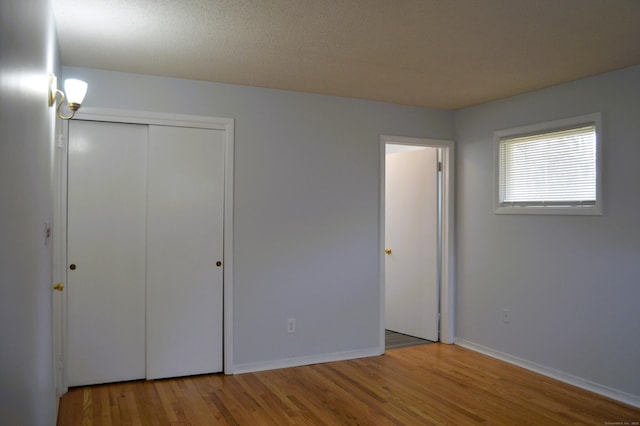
(555, 168)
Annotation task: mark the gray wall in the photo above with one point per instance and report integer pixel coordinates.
(27, 55)
(572, 283)
(306, 205)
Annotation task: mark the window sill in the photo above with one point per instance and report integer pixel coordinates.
(551, 210)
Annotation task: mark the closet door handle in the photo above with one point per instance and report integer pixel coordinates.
(72, 266)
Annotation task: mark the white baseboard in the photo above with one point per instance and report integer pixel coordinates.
(554, 374)
(304, 360)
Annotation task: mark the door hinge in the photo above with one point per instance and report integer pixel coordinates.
(439, 166)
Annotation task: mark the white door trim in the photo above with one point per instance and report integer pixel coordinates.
(163, 119)
(447, 290)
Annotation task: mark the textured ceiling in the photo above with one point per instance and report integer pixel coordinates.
(435, 53)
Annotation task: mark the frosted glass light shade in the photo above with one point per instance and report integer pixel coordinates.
(75, 90)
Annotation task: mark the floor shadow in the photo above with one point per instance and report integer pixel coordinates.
(394, 340)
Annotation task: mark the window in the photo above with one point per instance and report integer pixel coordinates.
(549, 168)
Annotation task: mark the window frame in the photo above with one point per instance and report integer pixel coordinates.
(543, 128)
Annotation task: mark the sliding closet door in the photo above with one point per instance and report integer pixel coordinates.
(106, 252)
(184, 251)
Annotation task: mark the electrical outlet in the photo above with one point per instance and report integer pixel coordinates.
(506, 315)
(291, 325)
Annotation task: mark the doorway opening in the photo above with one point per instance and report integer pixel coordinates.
(416, 239)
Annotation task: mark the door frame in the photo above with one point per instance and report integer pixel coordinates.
(60, 206)
(446, 327)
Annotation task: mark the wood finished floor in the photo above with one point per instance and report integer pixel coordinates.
(420, 385)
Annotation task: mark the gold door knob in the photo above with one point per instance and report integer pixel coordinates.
(388, 251)
(58, 286)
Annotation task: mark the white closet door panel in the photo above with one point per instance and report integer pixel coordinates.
(184, 242)
(411, 224)
(106, 243)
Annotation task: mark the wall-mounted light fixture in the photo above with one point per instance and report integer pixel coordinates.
(75, 90)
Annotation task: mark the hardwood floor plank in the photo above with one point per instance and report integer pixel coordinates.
(269, 400)
(167, 401)
(429, 384)
(198, 409)
(114, 408)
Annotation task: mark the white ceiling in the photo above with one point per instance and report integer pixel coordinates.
(435, 53)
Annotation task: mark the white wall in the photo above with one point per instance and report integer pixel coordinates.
(572, 283)
(306, 205)
(27, 55)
